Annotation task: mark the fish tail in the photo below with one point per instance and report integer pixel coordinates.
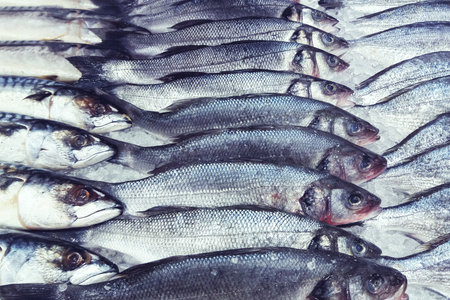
(31, 291)
(119, 8)
(90, 68)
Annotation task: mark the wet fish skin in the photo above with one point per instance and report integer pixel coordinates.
(38, 200)
(431, 135)
(276, 56)
(60, 102)
(402, 75)
(158, 96)
(364, 6)
(49, 145)
(28, 258)
(293, 145)
(239, 274)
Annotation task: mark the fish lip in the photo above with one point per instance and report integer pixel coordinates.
(89, 161)
(381, 163)
(114, 211)
(371, 139)
(115, 125)
(104, 276)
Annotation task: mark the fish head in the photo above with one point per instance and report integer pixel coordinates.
(310, 16)
(329, 42)
(331, 92)
(48, 202)
(28, 258)
(52, 146)
(353, 163)
(336, 202)
(329, 64)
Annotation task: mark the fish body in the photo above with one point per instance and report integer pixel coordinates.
(238, 274)
(28, 258)
(59, 102)
(365, 7)
(49, 145)
(277, 56)
(155, 97)
(75, 4)
(402, 75)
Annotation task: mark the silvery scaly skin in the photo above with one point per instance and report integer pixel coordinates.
(433, 134)
(75, 4)
(408, 111)
(403, 15)
(366, 6)
(59, 102)
(423, 172)
(227, 31)
(161, 20)
(49, 145)
(27, 258)
(401, 43)
(221, 113)
(293, 145)
(292, 189)
(38, 200)
(195, 231)
(402, 75)
(158, 96)
(273, 273)
(276, 56)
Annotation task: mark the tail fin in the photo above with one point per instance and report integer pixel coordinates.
(31, 291)
(91, 68)
(120, 8)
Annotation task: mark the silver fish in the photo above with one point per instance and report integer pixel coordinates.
(162, 20)
(402, 75)
(76, 4)
(178, 87)
(38, 200)
(365, 6)
(195, 231)
(46, 144)
(28, 258)
(276, 56)
(274, 273)
(294, 145)
(213, 33)
(59, 102)
(433, 134)
(199, 115)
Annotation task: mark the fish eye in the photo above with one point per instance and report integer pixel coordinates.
(81, 196)
(355, 199)
(327, 39)
(365, 164)
(359, 248)
(354, 128)
(78, 141)
(332, 61)
(317, 16)
(375, 283)
(99, 109)
(330, 88)
(72, 259)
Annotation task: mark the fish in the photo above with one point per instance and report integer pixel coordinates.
(433, 134)
(29, 258)
(177, 87)
(197, 115)
(75, 4)
(212, 33)
(163, 20)
(276, 56)
(424, 171)
(423, 217)
(49, 145)
(282, 145)
(407, 73)
(407, 110)
(401, 43)
(237, 274)
(293, 189)
(365, 6)
(33, 199)
(45, 99)
(403, 15)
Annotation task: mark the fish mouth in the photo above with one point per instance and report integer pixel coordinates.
(380, 165)
(114, 123)
(373, 137)
(94, 158)
(400, 294)
(97, 278)
(97, 212)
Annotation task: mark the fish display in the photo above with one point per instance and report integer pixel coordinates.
(365, 6)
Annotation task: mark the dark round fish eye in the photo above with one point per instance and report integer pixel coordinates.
(72, 259)
(374, 283)
(332, 61)
(365, 164)
(82, 196)
(330, 88)
(358, 248)
(78, 141)
(99, 109)
(355, 199)
(354, 128)
(327, 39)
(317, 16)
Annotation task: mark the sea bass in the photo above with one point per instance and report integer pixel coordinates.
(365, 6)
(60, 102)
(272, 273)
(28, 258)
(187, 86)
(276, 56)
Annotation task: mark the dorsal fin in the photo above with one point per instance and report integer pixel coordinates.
(178, 50)
(190, 23)
(181, 75)
(39, 96)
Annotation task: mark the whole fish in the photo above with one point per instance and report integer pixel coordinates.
(276, 56)
(365, 6)
(400, 43)
(195, 231)
(402, 75)
(49, 145)
(424, 217)
(213, 33)
(75, 4)
(294, 145)
(28, 258)
(273, 273)
(59, 102)
(433, 134)
(39, 200)
(178, 87)
(162, 20)
(200, 115)
(293, 189)
(403, 15)
(425, 171)
(408, 110)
